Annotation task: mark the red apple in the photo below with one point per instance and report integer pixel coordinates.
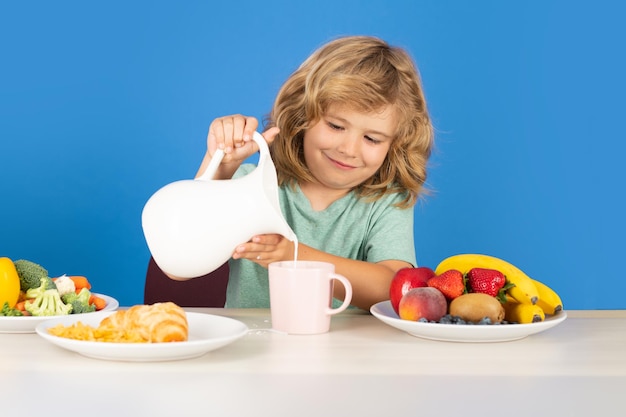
(425, 302)
(405, 280)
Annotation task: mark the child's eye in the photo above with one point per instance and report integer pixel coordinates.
(372, 140)
(334, 126)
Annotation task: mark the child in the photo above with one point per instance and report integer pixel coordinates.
(350, 136)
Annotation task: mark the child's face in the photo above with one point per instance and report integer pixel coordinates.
(345, 148)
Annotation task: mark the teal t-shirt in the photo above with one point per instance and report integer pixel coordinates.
(350, 227)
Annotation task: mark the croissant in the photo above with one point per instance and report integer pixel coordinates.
(159, 322)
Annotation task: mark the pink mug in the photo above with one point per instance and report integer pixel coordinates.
(301, 294)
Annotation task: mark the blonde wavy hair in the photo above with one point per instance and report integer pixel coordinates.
(365, 74)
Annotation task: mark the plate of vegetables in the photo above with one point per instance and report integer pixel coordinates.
(28, 296)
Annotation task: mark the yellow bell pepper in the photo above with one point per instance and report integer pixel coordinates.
(9, 283)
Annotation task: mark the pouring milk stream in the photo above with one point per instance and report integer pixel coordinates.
(193, 226)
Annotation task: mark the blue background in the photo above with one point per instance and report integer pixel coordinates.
(103, 103)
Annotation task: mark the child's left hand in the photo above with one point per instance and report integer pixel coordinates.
(265, 249)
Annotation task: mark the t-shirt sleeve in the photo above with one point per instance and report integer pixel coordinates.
(390, 235)
(243, 170)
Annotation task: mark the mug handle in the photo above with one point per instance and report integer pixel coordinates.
(347, 298)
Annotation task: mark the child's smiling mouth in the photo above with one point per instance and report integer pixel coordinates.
(340, 164)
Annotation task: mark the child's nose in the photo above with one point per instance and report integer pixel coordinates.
(350, 145)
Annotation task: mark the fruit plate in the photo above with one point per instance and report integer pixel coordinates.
(460, 332)
(27, 324)
(206, 333)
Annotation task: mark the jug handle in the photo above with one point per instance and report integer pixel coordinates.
(210, 171)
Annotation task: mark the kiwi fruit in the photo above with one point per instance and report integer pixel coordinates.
(476, 306)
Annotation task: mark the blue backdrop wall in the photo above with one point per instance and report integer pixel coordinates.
(103, 103)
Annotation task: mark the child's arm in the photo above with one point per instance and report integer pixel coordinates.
(370, 281)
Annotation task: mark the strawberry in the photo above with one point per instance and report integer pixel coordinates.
(486, 281)
(451, 283)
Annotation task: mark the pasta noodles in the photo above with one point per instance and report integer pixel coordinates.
(159, 322)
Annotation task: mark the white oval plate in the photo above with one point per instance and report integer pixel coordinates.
(27, 324)
(206, 332)
(463, 333)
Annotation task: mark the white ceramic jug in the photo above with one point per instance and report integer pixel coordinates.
(193, 226)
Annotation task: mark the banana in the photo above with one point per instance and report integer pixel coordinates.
(549, 300)
(526, 296)
(523, 289)
(523, 313)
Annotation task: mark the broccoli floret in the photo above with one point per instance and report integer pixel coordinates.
(46, 302)
(31, 275)
(45, 283)
(79, 302)
(8, 311)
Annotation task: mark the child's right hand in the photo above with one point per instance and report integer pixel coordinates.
(233, 134)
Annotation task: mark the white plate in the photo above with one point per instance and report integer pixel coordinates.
(463, 333)
(206, 332)
(27, 324)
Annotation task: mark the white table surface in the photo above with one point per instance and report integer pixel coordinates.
(362, 367)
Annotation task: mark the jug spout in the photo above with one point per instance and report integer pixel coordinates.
(281, 227)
